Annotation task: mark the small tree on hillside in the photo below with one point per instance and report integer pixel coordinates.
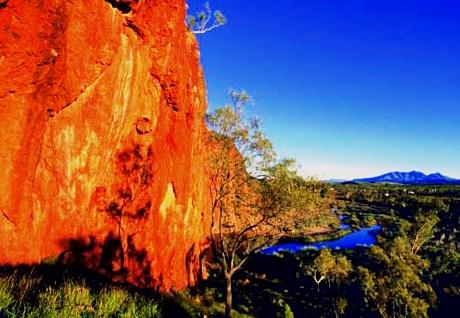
(250, 191)
(329, 267)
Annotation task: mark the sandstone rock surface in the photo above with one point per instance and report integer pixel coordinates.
(102, 143)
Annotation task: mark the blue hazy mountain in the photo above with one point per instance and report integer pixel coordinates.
(334, 181)
(412, 177)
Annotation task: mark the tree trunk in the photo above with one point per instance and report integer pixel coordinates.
(228, 295)
(122, 250)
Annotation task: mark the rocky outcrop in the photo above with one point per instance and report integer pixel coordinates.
(102, 150)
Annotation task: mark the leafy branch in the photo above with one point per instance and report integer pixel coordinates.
(205, 20)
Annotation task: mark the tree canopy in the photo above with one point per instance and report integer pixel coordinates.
(251, 190)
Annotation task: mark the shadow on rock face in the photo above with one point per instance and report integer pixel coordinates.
(104, 257)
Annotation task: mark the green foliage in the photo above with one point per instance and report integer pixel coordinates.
(287, 311)
(140, 307)
(392, 279)
(232, 127)
(26, 296)
(285, 185)
(205, 20)
(71, 301)
(330, 267)
(396, 287)
(423, 230)
(252, 193)
(110, 301)
(340, 306)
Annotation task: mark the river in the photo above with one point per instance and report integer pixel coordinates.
(362, 237)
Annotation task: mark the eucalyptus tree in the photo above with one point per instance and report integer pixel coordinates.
(252, 192)
(328, 267)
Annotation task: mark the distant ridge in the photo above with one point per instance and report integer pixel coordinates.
(334, 181)
(410, 178)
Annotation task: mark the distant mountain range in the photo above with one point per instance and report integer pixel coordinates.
(409, 178)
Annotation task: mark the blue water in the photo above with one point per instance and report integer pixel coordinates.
(344, 227)
(342, 219)
(362, 237)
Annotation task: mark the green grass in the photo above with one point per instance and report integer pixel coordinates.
(6, 296)
(33, 296)
(50, 291)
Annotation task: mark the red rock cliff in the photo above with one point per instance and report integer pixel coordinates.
(102, 138)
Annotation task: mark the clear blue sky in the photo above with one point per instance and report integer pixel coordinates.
(350, 88)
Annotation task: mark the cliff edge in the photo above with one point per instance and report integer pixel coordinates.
(102, 144)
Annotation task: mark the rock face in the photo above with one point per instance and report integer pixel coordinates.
(102, 152)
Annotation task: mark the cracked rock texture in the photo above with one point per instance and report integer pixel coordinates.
(102, 143)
